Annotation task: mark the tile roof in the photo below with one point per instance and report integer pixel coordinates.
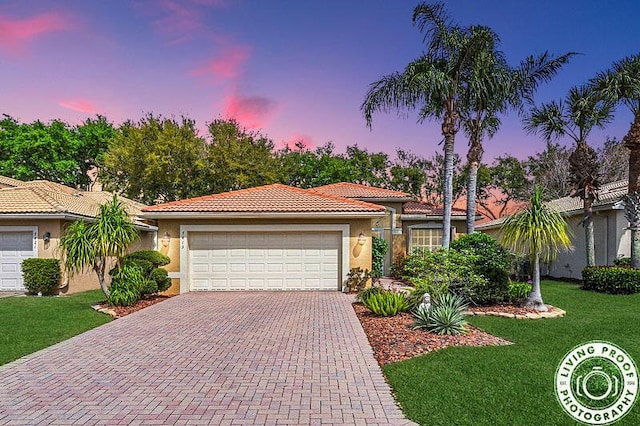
(7, 181)
(44, 197)
(608, 194)
(420, 207)
(275, 198)
(354, 190)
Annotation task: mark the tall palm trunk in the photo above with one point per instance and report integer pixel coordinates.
(535, 297)
(449, 133)
(474, 156)
(632, 142)
(588, 231)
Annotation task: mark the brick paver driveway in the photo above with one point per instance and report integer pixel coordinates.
(208, 358)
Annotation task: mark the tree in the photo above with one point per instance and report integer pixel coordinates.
(549, 169)
(508, 185)
(495, 87)
(94, 244)
(540, 232)
(613, 158)
(155, 159)
(621, 84)
(95, 136)
(575, 117)
(434, 83)
(408, 173)
(235, 158)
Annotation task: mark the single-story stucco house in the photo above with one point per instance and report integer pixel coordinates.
(33, 216)
(277, 237)
(610, 227)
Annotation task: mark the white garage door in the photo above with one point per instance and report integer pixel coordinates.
(14, 248)
(264, 260)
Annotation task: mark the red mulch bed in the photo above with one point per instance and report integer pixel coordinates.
(145, 302)
(393, 340)
(510, 309)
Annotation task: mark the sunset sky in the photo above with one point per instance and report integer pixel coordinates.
(292, 69)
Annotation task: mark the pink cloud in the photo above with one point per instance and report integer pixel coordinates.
(226, 66)
(252, 111)
(80, 105)
(16, 33)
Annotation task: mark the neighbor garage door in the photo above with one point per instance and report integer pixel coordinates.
(14, 248)
(264, 260)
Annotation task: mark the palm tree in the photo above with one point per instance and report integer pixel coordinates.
(508, 87)
(94, 244)
(621, 84)
(434, 83)
(581, 112)
(540, 232)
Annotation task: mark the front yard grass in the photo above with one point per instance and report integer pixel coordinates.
(514, 385)
(28, 324)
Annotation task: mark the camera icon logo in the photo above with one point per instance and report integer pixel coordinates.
(596, 383)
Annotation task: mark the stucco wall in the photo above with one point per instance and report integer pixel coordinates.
(359, 255)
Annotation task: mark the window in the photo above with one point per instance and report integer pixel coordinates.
(426, 239)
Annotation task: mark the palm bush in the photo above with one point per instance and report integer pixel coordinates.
(387, 303)
(446, 315)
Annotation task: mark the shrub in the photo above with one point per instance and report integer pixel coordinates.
(446, 315)
(387, 303)
(486, 248)
(397, 267)
(611, 279)
(153, 256)
(518, 292)
(364, 294)
(41, 276)
(378, 252)
(357, 279)
(148, 261)
(622, 261)
(161, 277)
(127, 285)
(424, 286)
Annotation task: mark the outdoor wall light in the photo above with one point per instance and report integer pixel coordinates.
(46, 237)
(166, 239)
(362, 239)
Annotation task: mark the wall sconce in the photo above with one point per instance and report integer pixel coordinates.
(46, 237)
(166, 239)
(362, 239)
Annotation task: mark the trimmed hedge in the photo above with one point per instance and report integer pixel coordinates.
(156, 279)
(611, 279)
(41, 276)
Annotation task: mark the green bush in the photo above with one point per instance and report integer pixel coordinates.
(161, 278)
(127, 285)
(518, 292)
(378, 252)
(387, 303)
(446, 315)
(424, 286)
(153, 256)
(486, 247)
(622, 261)
(611, 279)
(148, 261)
(364, 294)
(41, 276)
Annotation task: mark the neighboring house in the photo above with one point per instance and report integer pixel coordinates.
(610, 227)
(33, 216)
(277, 237)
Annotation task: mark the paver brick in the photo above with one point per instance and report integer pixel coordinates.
(208, 358)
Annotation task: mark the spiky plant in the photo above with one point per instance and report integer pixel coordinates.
(446, 315)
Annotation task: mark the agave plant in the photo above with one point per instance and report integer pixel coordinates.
(446, 315)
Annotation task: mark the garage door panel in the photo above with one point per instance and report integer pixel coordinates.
(15, 246)
(264, 260)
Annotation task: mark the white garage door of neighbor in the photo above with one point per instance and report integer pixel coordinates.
(14, 248)
(264, 260)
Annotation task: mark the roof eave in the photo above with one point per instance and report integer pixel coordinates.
(383, 199)
(257, 215)
(406, 216)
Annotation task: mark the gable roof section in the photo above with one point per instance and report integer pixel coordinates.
(607, 197)
(354, 190)
(6, 182)
(422, 208)
(53, 199)
(275, 199)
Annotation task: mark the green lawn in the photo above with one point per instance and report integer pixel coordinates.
(514, 385)
(28, 324)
